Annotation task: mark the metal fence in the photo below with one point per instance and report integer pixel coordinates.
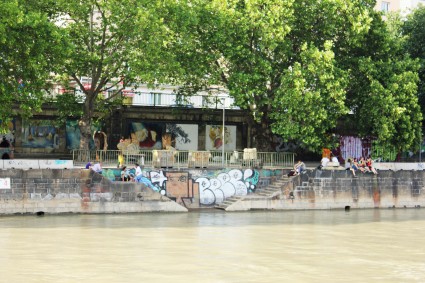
(184, 159)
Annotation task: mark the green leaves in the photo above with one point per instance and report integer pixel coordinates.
(310, 99)
(414, 44)
(27, 41)
(382, 93)
(276, 58)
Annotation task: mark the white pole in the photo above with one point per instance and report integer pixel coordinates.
(222, 132)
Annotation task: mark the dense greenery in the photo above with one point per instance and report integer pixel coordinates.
(298, 67)
(301, 66)
(28, 47)
(382, 93)
(414, 44)
(115, 44)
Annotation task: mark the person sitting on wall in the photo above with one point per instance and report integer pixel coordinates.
(145, 181)
(88, 165)
(97, 168)
(4, 142)
(125, 174)
(358, 165)
(324, 162)
(362, 165)
(299, 167)
(334, 160)
(370, 166)
(351, 166)
(138, 170)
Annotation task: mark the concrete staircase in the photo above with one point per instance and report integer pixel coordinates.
(267, 192)
(273, 188)
(229, 201)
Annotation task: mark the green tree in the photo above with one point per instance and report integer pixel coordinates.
(382, 90)
(276, 58)
(414, 42)
(107, 46)
(27, 52)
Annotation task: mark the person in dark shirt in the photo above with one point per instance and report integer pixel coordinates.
(4, 143)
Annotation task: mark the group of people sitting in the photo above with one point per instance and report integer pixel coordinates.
(353, 164)
(131, 175)
(362, 165)
(325, 162)
(127, 175)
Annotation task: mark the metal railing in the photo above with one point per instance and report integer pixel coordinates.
(183, 159)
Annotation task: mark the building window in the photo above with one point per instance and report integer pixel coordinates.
(385, 6)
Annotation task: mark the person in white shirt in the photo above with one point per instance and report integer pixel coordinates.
(97, 168)
(324, 161)
(335, 161)
(138, 170)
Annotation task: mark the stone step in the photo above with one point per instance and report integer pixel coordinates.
(269, 191)
(220, 207)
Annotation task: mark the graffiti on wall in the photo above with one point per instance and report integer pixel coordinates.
(236, 182)
(215, 137)
(204, 187)
(147, 135)
(73, 135)
(39, 134)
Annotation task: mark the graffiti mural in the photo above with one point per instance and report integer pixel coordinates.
(215, 137)
(158, 179)
(40, 134)
(236, 182)
(73, 135)
(147, 135)
(185, 136)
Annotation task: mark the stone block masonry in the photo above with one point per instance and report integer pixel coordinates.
(54, 191)
(340, 190)
(83, 191)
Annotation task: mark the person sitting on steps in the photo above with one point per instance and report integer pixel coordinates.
(299, 167)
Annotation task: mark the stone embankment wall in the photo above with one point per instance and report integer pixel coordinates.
(83, 191)
(339, 189)
(76, 191)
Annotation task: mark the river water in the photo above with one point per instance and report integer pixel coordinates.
(214, 246)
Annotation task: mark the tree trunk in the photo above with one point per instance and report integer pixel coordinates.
(262, 135)
(85, 132)
(86, 121)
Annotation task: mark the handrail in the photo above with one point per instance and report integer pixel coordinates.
(183, 158)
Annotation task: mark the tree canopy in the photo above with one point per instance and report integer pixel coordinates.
(27, 52)
(382, 93)
(414, 44)
(107, 46)
(299, 67)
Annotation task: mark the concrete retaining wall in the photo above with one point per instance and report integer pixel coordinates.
(338, 189)
(76, 191)
(83, 191)
(36, 164)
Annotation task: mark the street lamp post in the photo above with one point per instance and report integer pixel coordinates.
(222, 133)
